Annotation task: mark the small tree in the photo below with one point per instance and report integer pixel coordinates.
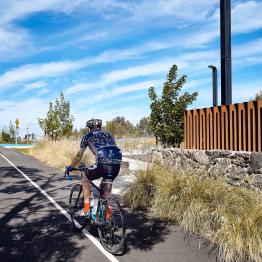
(5, 135)
(59, 121)
(167, 113)
(12, 131)
(62, 110)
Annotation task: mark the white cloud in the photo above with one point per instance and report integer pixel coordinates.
(247, 49)
(186, 62)
(179, 10)
(132, 72)
(31, 72)
(34, 71)
(107, 94)
(16, 9)
(14, 42)
(43, 91)
(246, 17)
(35, 85)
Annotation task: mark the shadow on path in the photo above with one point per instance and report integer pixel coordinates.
(143, 232)
(31, 228)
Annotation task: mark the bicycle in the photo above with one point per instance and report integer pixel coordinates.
(109, 216)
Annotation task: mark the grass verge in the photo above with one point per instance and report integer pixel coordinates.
(230, 217)
(25, 151)
(59, 154)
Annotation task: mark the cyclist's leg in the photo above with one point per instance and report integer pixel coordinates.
(110, 172)
(90, 174)
(86, 193)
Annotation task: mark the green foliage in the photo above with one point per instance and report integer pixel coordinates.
(143, 127)
(8, 134)
(11, 131)
(119, 127)
(59, 121)
(79, 133)
(258, 95)
(167, 113)
(5, 136)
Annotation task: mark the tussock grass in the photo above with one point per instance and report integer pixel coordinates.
(59, 153)
(141, 193)
(230, 217)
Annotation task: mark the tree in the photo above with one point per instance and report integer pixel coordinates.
(143, 127)
(258, 95)
(62, 110)
(167, 113)
(5, 135)
(59, 121)
(120, 127)
(12, 131)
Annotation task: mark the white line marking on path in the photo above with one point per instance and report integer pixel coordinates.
(85, 232)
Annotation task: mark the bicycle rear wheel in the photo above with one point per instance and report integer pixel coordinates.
(112, 232)
(76, 204)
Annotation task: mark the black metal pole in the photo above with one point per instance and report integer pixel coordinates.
(226, 70)
(214, 78)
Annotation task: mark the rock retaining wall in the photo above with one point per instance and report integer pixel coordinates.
(239, 168)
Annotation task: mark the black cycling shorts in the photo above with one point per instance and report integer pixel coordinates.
(102, 170)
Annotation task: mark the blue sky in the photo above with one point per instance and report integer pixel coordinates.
(105, 55)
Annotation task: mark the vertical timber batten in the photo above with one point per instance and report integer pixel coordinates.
(236, 127)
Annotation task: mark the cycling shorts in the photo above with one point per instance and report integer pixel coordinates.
(102, 170)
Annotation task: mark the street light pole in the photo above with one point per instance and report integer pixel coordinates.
(214, 77)
(225, 41)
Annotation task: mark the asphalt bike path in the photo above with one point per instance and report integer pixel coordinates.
(34, 224)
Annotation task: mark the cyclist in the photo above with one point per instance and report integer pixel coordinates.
(108, 160)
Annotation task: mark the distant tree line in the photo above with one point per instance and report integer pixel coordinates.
(58, 123)
(120, 127)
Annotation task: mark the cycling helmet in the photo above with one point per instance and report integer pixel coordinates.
(94, 123)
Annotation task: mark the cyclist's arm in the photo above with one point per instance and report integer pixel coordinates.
(78, 157)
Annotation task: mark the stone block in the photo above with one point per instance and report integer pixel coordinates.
(255, 162)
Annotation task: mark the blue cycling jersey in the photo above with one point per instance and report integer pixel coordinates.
(103, 146)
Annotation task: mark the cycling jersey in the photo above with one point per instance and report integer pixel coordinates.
(103, 146)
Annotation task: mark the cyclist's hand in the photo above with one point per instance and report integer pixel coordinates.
(69, 169)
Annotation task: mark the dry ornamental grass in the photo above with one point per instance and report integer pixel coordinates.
(230, 217)
(59, 154)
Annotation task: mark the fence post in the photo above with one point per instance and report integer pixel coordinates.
(251, 129)
(233, 127)
(259, 125)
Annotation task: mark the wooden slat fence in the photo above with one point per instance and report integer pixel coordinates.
(236, 127)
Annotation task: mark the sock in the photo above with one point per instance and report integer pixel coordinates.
(108, 212)
(86, 207)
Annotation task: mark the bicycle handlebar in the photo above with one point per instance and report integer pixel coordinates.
(80, 168)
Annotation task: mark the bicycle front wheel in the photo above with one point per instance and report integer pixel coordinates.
(76, 205)
(112, 231)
